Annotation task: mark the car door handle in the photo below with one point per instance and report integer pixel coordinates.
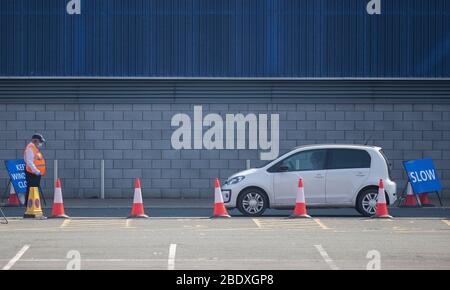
(360, 174)
(318, 176)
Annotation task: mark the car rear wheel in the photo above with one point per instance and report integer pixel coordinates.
(366, 202)
(252, 202)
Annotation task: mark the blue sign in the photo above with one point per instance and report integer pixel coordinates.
(16, 172)
(422, 175)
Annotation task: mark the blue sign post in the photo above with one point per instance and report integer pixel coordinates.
(423, 176)
(16, 172)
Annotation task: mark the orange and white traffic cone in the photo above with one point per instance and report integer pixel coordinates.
(219, 206)
(425, 201)
(381, 209)
(13, 200)
(410, 200)
(300, 203)
(137, 211)
(58, 204)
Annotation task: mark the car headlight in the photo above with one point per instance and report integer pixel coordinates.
(234, 180)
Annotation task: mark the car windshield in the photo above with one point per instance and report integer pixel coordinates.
(278, 158)
(265, 164)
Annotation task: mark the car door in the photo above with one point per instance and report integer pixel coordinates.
(308, 165)
(348, 169)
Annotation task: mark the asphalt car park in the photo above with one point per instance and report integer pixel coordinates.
(185, 238)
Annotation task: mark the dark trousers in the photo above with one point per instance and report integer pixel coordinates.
(33, 180)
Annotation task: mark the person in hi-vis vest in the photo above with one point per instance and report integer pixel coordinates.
(35, 163)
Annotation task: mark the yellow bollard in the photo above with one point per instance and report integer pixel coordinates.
(34, 209)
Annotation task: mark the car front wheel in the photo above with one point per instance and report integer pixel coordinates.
(252, 202)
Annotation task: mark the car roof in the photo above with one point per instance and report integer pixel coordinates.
(350, 146)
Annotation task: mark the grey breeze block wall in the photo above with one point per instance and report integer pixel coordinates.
(132, 134)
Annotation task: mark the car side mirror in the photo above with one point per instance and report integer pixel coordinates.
(283, 168)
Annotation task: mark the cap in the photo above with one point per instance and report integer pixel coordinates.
(38, 137)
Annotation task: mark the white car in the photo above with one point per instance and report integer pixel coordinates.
(338, 176)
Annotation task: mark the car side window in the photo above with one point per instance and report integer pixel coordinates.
(347, 159)
(303, 161)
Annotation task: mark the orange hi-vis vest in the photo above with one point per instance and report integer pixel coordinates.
(38, 161)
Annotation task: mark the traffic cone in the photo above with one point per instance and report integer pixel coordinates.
(34, 209)
(300, 204)
(410, 200)
(13, 200)
(219, 206)
(58, 204)
(381, 208)
(137, 211)
(425, 201)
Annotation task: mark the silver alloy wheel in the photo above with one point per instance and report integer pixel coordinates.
(253, 203)
(369, 203)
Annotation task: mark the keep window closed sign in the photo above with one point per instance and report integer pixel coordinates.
(16, 172)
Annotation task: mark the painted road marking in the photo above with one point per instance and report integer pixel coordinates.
(65, 223)
(16, 257)
(291, 224)
(141, 261)
(376, 220)
(258, 224)
(447, 222)
(96, 224)
(321, 224)
(171, 260)
(326, 257)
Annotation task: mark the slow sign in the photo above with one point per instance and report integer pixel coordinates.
(423, 176)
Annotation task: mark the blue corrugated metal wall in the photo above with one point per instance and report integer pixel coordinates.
(225, 38)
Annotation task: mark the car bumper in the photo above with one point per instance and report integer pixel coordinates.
(226, 194)
(229, 195)
(391, 189)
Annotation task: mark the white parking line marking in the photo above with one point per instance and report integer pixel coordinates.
(16, 257)
(171, 260)
(326, 257)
